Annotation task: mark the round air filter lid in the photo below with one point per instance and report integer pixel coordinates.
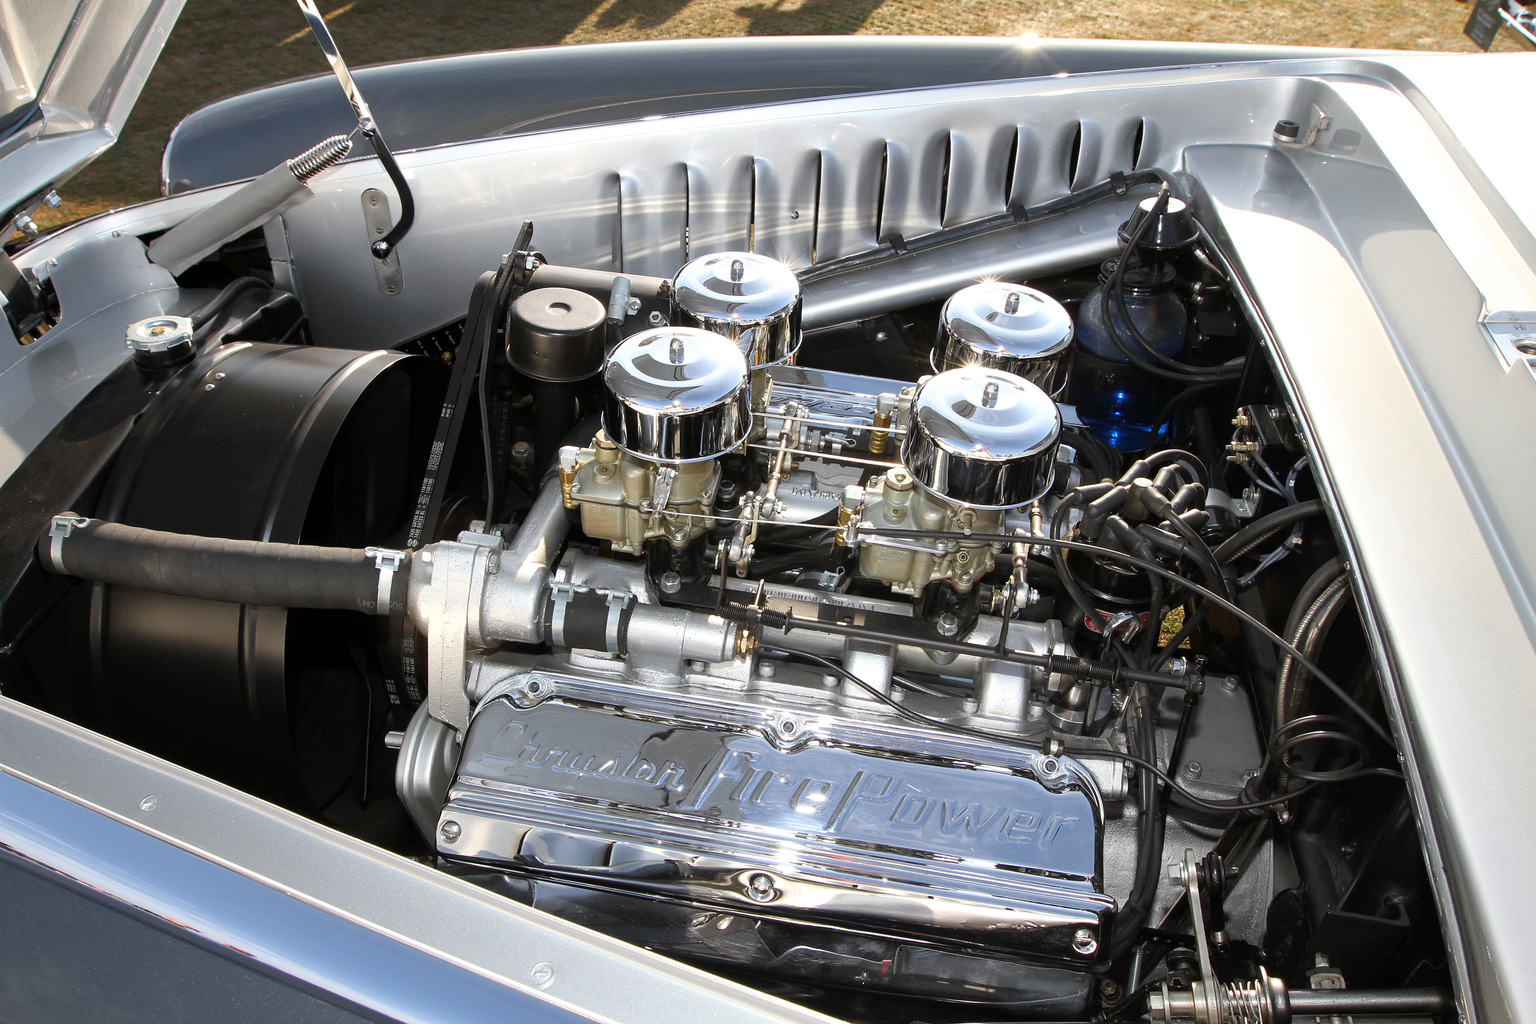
(999, 322)
(982, 437)
(677, 394)
(736, 287)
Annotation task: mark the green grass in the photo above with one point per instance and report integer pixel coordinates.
(222, 47)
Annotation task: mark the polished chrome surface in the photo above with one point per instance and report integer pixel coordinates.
(339, 68)
(872, 825)
(982, 437)
(557, 334)
(1006, 327)
(380, 930)
(750, 298)
(676, 394)
(266, 926)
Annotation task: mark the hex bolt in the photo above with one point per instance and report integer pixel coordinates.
(450, 831)
(948, 624)
(1193, 769)
(1084, 941)
(670, 582)
(1176, 874)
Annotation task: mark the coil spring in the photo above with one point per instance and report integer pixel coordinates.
(1245, 1002)
(320, 156)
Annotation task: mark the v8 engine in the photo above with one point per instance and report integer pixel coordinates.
(887, 664)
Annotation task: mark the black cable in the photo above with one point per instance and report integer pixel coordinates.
(1150, 361)
(1116, 185)
(220, 302)
(1151, 829)
(485, 432)
(1260, 530)
(1089, 753)
(1206, 592)
(1165, 414)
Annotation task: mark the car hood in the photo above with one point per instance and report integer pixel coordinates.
(69, 75)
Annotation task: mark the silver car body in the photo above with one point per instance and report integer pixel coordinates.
(1392, 261)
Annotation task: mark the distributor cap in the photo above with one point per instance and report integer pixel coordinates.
(676, 394)
(982, 437)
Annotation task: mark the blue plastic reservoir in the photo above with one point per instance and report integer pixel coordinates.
(1115, 399)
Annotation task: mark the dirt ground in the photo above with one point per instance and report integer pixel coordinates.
(220, 47)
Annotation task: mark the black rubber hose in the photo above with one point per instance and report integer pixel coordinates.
(1150, 831)
(214, 569)
(1260, 530)
(220, 302)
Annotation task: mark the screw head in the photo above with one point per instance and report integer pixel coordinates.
(149, 803)
(1193, 769)
(1084, 941)
(450, 831)
(761, 889)
(543, 975)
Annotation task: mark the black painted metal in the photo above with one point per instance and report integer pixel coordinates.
(268, 442)
(473, 96)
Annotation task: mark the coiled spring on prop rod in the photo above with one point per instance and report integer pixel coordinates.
(318, 157)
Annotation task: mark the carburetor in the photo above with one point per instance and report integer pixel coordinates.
(978, 442)
(674, 400)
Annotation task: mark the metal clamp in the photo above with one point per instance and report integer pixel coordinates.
(61, 527)
(618, 602)
(388, 561)
(561, 594)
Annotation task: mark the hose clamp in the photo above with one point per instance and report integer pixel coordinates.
(388, 562)
(560, 594)
(618, 603)
(61, 527)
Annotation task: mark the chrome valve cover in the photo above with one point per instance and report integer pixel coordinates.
(793, 814)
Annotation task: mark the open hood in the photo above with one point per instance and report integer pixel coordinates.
(69, 74)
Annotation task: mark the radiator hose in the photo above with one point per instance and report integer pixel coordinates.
(237, 571)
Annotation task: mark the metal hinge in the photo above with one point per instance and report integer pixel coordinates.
(1512, 333)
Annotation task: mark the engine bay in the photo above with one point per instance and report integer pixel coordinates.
(974, 659)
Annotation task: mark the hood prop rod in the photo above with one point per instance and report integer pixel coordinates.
(369, 129)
